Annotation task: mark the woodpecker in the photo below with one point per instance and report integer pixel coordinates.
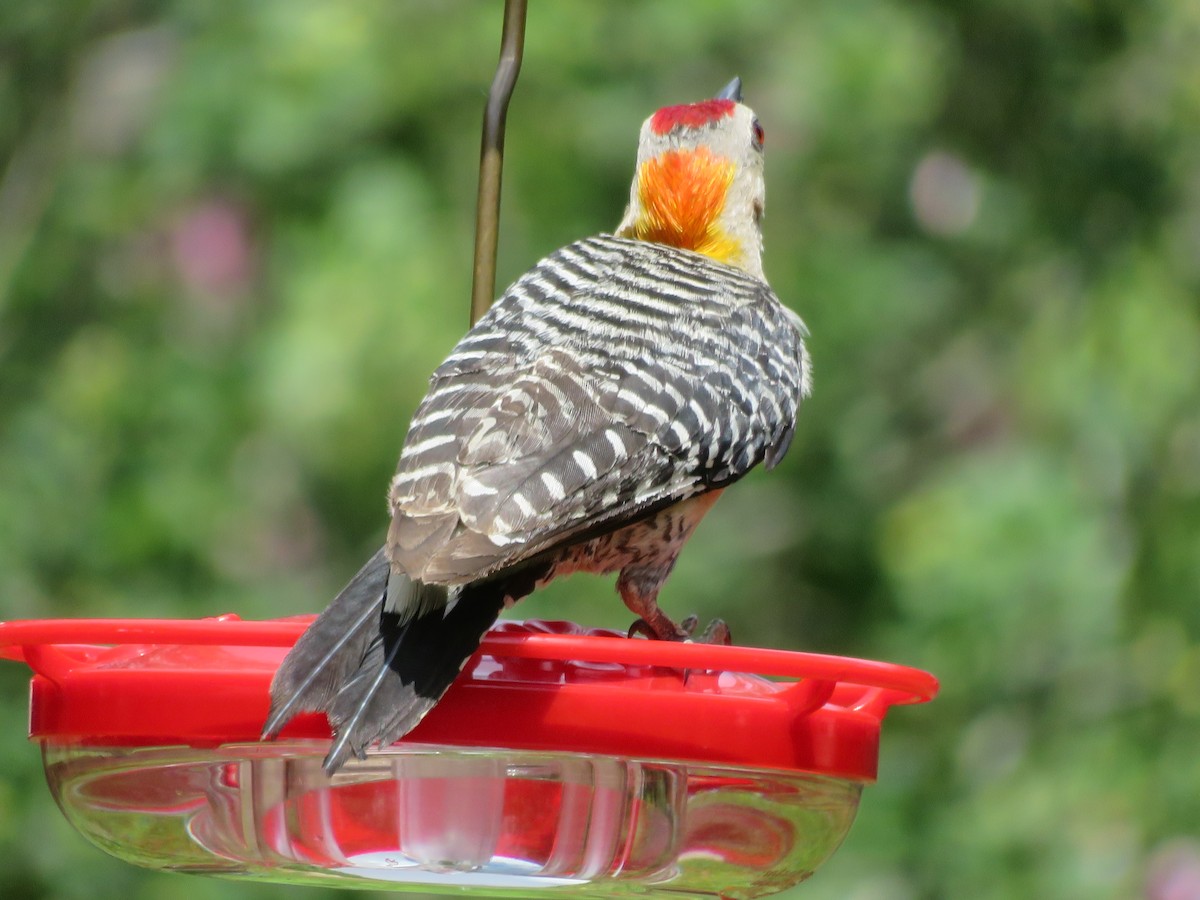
(587, 422)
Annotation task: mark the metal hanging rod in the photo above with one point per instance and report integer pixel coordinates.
(491, 158)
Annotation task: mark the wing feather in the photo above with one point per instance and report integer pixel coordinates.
(615, 377)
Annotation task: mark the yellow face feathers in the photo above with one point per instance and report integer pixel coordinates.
(681, 196)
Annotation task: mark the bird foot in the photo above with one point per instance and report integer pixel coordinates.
(717, 632)
(644, 629)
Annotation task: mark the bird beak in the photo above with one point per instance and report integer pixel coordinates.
(731, 91)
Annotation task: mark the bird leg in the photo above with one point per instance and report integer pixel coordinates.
(639, 590)
(653, 623)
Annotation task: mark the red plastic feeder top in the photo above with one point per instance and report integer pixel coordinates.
(546, 686)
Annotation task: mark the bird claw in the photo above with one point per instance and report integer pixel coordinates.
(667, 631)
(641, 627)
(717, 632)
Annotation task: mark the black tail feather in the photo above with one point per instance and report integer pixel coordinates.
(376, 673)
(331, 649)
(406, 670)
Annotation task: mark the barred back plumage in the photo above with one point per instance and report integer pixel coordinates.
(587, 422)
(613, 376)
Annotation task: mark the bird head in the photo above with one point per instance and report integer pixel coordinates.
(699, 180)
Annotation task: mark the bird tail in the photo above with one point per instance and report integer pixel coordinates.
(375, 673)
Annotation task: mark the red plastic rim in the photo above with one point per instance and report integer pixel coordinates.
(535, 686)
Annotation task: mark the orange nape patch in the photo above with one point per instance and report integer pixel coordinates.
(681, 194)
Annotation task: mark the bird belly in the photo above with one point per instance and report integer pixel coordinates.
(651, 543)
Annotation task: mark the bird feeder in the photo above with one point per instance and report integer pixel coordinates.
(562, 758)
(578, 762)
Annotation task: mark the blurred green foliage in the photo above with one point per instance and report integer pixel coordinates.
(235, 239)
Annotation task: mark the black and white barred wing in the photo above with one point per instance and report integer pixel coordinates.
(614, 378)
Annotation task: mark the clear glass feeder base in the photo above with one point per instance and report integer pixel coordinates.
(475, 822)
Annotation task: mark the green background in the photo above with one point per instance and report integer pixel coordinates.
(236, 238)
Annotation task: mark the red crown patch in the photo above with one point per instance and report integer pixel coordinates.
(690, 115)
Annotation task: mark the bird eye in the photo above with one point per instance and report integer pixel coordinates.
(757, 134)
